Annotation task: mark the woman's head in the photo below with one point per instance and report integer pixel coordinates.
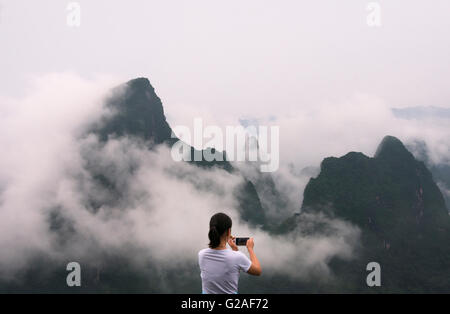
(219, 225)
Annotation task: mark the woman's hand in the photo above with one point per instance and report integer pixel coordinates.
(255, 268)
(250, 244)
(232, 244)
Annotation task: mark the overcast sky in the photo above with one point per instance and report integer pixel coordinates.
(246, 54)
(327, 78)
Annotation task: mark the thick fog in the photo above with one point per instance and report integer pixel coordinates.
(160, 209)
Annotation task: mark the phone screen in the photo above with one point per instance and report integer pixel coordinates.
(241, 241)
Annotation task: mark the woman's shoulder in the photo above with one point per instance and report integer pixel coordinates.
(203, 251)
(226, 252)
(209, 251)
(237, 253)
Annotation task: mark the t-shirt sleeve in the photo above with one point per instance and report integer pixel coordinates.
(243, 262)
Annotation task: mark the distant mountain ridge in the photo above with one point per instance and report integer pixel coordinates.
(421, 112)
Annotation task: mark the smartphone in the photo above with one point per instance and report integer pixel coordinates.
(241, 241)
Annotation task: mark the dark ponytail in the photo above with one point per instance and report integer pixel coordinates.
(218, 225)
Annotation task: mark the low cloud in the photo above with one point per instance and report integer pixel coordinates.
(53, 203)
(54, 200)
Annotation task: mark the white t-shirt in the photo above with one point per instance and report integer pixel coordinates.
(220, 270)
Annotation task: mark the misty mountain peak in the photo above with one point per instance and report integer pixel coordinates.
(137, 111)
(140, 83)
(392, 147)
(360, 188)
(397, 205)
